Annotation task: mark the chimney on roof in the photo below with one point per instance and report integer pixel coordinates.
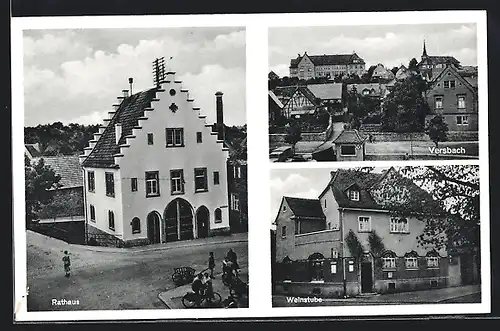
(220, 115)
(125, 93)
(118, 132)
(130, 82)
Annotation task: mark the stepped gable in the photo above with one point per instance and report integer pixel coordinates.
(305, 207)
(128, 113)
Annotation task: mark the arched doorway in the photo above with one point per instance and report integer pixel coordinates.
(153, 220)
(202, 221)
(178, 221)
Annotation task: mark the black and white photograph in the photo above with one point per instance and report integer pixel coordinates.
(376, 236)
(373, 92)
(135, 168)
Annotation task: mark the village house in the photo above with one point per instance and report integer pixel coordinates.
(237, 170)
(315, 257)
(155, 172)
(455, 98)
(275, 110)
(381, 73)
(373, 90)
(349, 146)
(314, 66)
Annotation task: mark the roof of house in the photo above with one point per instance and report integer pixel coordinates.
(368, 183)
(349, 137)
(272, 75)
(285, 91)
(379, 89)
(472, 82)
(443, 59)
(305, 207)
(66, 166)
(33, 149)
(326, 91)
(128, 113)
(334, 59)
(274, 99)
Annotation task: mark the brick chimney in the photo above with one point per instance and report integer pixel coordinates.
(118, 132)
(220, 116)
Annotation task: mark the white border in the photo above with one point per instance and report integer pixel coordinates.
(259, 246)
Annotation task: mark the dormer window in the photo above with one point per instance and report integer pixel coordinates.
(353, 195)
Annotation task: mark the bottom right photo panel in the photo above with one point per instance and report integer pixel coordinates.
(375, 235)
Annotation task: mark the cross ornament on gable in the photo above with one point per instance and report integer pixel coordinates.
(173, 107)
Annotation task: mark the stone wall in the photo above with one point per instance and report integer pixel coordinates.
(320, 290)
(420, 136)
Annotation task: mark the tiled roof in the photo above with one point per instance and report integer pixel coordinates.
(472, 81)
(326, 91)
(284, 91)
(127, 114)
(342, 179)
(305, 207)
(335, 59)
(443, 59)
(68, 167)
(349, 137)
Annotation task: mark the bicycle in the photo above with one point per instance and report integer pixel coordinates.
(237, 287)
(190, 299)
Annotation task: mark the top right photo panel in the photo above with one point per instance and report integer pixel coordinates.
(373, 92)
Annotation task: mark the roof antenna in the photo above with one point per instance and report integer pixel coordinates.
(130, 82)
(158, 71)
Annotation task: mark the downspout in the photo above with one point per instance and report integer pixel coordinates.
(344, 281)
(85, 205)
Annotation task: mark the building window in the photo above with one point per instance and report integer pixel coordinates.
(175, 137)
(461, 101)
(111, 219)
(92, 213)
(150, 139)
(200, 180)
(411, 263)
(347, 150)
(449, 84)
(152, 184)
(438, 102)
(329, 226)
(133, 184)
(216, 178)
(199, 137)
(91, 181)
(399, 225)
(364, 224)
(325, 203)
(136, 225)
(389, 263)
(333, 267)
(334, 253)
(218, 215)
(297, 227)
(462, 120)
(236, 171)
(432, 262)
(283, 231)
(110, 184)
(354, 195)
(452, 84)
(235, 202)
(351, 266)
(284, 208)
(177, 181)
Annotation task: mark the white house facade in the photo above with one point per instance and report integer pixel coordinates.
(156, 172)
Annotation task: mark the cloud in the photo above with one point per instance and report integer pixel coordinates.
(390, 45)
(293, 185)
(70, 84)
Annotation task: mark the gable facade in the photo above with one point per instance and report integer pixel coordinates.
(455, 98)
(168, 181)
(402, 262)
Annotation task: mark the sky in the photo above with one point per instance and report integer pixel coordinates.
(391, 45)
(75, 75)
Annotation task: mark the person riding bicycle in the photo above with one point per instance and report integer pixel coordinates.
(198, 287)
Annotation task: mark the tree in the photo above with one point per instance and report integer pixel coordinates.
(405, 108)
(394, 70)
(39, 178)
(293, 134)
(413, 65)
(354, 245)
(370, 71)
(437, 129)
(445, 197)
(377, 246)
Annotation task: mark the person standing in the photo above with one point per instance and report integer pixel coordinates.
(231, 255)
(67, 263)
(211, 264)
